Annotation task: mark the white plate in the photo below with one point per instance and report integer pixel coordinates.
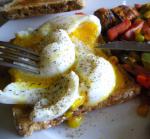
(116, 122)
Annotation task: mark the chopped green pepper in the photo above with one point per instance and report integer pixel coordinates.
(139, 37)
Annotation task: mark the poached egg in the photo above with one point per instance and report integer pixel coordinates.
(67, 46)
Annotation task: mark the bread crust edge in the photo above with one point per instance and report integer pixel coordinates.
(41, 9)
(25, 127)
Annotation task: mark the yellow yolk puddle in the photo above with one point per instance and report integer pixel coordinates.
(30, 41)
(33, 80)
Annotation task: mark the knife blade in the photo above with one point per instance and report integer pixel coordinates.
(126, 46)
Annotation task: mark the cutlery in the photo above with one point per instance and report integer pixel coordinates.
(18, 57)
(126, 46)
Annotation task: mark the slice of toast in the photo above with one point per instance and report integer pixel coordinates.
(26, 127)
(27, 8)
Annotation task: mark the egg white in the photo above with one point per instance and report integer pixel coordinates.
(68, 23)
(62, 95)
(57, 57)
(97, 75)
(21, 93)
(49, 103)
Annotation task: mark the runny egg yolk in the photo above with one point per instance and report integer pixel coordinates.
(87, 33)
(28, 41)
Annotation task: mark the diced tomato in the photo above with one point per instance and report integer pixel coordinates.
(130, 33)
(115, 31)
(143, 80)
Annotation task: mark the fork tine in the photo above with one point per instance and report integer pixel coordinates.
(18, 57)
(18, 48)
(10, 57)
(17, 53)
(23, 67)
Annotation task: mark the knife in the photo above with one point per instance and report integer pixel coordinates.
(126, 46)
(2, 18)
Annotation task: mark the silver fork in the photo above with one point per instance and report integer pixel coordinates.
(14, 56)
(3, 2)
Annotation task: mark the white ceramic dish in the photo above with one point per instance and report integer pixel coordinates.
(116, 122)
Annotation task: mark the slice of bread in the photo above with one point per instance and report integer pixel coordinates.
(26, 127)
(27, 8)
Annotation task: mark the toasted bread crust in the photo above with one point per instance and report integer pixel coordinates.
(29, 9)
(26, 127)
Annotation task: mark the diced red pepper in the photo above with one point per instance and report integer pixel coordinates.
(146, 31)
(115, 31)
(144, 80)
(142, 75)
(130, 33)
(138, 6)
(140, 70)
(148, 22)
(129, 68)
(136, 69)
(146, 28)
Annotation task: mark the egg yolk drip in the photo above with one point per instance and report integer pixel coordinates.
(86, 33)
